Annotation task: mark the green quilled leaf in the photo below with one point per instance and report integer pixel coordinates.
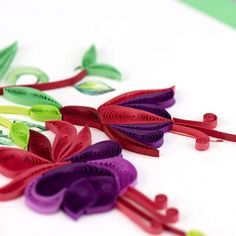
(44, 113)
(6, 57)
(34, 126)
(5, 139)
(104, 70)
(16, 73)
(19, 134)
(93, 88)
(90, 57)
(28, 96)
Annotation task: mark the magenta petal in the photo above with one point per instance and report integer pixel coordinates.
(126, 172)
(42, 204)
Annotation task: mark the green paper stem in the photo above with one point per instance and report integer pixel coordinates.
(5, 122)
(14, 110)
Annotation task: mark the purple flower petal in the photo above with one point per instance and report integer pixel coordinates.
(164, 126)
(46, 193)
(125, 171)
(153, 108)
(153, 138)
(164, 99)
(101, 150)
(91, 195)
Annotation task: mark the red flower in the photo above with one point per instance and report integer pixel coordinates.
(24, 166)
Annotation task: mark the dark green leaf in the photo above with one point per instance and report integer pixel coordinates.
(90, 57)
(6, 57)
(93, 88)
(104, 70)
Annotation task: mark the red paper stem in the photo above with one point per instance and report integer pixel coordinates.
(55, 84)
(209, 121)
(202, 140)
(143, 211)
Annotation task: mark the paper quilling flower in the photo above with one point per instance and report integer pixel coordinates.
(23, 165)
(137, 119)
(80, 179)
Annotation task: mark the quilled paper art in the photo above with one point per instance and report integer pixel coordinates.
(89, 66)
(136, 119)
(80, 179)
(24, 166)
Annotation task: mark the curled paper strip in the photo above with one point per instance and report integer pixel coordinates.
(16, 73)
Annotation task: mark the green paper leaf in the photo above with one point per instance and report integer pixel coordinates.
(37, 127)
(19, 134)
(16, 73)
(44, 113)
(90, 57)
(104, 70)
(6, 57)
(5, 140)
(28, 96)
(93, 88)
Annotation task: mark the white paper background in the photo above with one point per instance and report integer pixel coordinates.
(155, 44)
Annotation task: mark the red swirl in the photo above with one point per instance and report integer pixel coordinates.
(123, 115)
(209, 121)
(55, 84)
(202, 140)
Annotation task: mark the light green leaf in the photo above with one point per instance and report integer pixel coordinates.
(44, 113)
(34, 126)
(93, 88)
(104, 70)
(28, 96)
(6, 57)
(16, 73)
(90, 57)
(19, 134)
